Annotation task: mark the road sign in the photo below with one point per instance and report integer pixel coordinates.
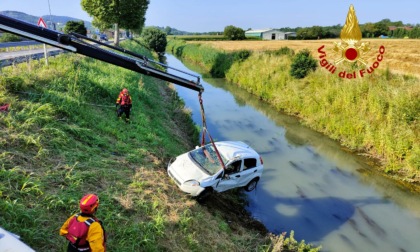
(42, 23)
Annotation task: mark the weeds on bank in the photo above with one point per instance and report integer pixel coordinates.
(377, 115)
(217, 63)
(286, 244)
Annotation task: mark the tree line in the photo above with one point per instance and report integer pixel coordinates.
(369, 30)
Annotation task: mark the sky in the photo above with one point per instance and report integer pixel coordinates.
(215, 15)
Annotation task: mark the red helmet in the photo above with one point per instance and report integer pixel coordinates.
(89, 203)
(125, 91)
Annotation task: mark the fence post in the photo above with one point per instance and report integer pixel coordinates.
(45, 54)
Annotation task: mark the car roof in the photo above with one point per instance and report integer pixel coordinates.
(232, 149)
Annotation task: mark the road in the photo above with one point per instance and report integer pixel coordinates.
(14, 57)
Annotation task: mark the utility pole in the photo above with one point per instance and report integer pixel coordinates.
(49, 8)
(45, 46)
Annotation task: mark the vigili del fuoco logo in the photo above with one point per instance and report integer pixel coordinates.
(352, 50)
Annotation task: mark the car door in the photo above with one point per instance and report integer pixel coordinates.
(232, 176)
(248, 172)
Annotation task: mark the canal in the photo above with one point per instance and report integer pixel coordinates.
(327, 195)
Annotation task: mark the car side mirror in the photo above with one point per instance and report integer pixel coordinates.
(196, 147)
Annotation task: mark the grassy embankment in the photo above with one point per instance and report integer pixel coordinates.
(61, 139)
(377, 115)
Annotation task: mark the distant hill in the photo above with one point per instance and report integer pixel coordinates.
(21, 16)
(61, 21)
(58, 20)
(170, 30)
(173, 31)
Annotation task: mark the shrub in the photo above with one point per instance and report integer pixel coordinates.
(234, 33)
(76, 27)
(241, 55)
(155, 39)
(302, 64)
(8, 37)
(283, 51)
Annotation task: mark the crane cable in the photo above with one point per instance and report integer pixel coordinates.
(205, 131)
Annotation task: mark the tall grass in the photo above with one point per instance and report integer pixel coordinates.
(401, 54)
(61, 139)
(215, 62)
(377, 115)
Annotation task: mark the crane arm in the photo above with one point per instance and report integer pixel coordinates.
(77, 43)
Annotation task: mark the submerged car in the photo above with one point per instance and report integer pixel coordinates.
(199, 172)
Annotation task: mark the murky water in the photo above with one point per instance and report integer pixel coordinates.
(310, 184)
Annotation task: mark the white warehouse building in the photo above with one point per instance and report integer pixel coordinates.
(269, 34)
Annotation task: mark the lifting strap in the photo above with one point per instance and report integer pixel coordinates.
(205, 131)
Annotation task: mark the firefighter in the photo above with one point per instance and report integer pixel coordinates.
(124, 100)
(83, 230)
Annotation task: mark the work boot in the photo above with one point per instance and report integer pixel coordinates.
(127, 120)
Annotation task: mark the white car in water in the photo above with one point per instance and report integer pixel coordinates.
(199, 172)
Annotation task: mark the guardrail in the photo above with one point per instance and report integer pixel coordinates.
(29, 56)
(26, 55)
(19, 56)
(20, 43)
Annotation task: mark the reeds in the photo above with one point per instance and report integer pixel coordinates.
(377, 115)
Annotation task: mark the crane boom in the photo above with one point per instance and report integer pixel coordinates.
(77, 43)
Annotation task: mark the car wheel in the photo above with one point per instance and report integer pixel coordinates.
(204, 195)
(251, 185)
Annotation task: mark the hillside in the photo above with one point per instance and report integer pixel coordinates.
(60, 20)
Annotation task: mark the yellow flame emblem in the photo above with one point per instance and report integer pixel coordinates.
(350, 48)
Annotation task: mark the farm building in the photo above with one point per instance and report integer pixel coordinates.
(270, 34)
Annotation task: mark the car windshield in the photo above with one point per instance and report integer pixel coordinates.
(206, 157)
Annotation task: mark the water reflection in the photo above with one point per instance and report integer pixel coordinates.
(310, 184)
(314, 217)
(319, 145)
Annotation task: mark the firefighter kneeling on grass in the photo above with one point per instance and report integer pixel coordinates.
(124, 100)
(83, 230)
